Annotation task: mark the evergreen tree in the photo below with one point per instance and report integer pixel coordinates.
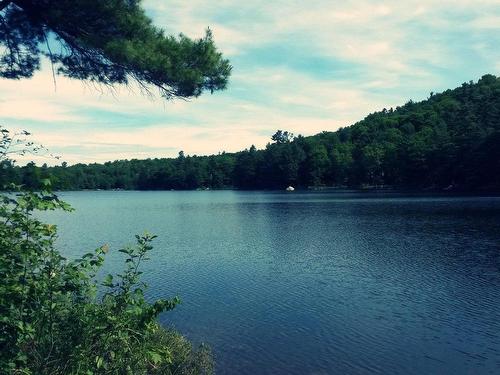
(109, 42)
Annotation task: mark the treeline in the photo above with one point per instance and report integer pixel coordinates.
(451, 141)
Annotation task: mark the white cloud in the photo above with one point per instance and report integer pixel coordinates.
(486, 22)
(389, 52)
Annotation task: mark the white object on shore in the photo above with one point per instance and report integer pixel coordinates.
(290, 188)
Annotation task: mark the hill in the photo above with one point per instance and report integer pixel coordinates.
(449, 141)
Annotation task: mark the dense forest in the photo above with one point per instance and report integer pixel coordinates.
(449, 141)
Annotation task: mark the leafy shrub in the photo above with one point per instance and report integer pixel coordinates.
(57, 318)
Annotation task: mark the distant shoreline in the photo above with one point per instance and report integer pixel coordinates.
(338, 189)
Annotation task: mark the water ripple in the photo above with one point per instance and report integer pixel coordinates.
(315, 283)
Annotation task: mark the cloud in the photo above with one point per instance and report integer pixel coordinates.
(303, 67)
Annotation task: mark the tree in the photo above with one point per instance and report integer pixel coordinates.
(315, 162)
(31, 176)
(52, 321)
(447, 140)
(108, 42)
(245, 174)
(282, 137)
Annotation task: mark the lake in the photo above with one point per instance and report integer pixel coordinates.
(313, 282)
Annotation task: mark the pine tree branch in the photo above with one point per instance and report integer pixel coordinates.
(4, 4)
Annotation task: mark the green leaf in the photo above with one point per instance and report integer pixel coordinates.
(108, 281)
(98, 361)
(155, 357)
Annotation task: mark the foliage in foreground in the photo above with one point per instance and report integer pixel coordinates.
(53, 318)
(108, 42)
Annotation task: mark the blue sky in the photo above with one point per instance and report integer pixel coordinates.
(300, 66)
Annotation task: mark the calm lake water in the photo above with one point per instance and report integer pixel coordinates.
(314, 282)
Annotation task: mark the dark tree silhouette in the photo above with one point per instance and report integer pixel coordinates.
(109, 42)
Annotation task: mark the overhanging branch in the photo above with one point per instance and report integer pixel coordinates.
(4, 4)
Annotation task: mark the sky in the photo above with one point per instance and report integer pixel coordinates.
(301, 66)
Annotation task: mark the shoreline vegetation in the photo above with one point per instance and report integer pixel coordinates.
(59, 316)
(451, 190)
(448, 142)
(56, 316)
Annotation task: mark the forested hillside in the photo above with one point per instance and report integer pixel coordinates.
(449, 141)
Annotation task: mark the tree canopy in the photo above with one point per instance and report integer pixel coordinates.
(109, 42)
(448, 141)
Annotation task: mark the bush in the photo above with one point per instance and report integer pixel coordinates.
(57, 318)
